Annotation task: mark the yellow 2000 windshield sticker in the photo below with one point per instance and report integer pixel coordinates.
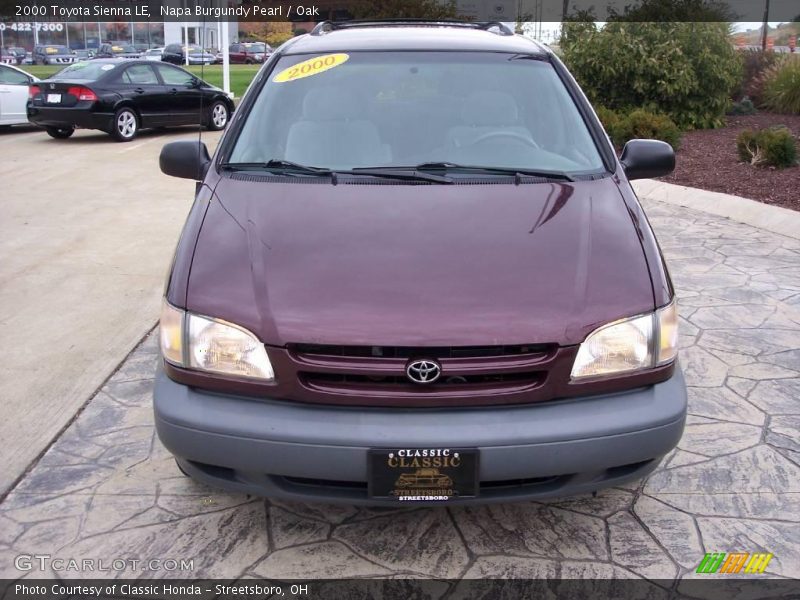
(312, 66)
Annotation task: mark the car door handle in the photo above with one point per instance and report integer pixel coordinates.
(173, 91)
(139, 90)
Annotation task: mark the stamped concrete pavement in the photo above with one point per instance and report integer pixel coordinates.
(107, 488)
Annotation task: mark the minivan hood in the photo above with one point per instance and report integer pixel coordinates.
(412, 265)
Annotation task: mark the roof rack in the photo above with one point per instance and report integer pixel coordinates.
(493, 26)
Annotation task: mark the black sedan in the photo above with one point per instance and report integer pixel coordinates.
(121, 96)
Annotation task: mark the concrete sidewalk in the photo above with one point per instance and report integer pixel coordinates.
(87, 229)
(743, 210)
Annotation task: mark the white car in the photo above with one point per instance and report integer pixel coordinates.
(14, 84)
(152, 54)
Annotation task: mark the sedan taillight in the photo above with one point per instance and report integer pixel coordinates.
(33, 91)
(82, 93)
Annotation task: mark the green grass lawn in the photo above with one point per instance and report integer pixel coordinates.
(241, 75)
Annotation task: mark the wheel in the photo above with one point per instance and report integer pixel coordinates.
(125, 125)
(218, 115)
(248, 62)
(60, 133)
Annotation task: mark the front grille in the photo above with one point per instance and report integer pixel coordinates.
(411, 351)
(380, 371)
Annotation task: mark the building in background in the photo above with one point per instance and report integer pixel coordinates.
(90, 34)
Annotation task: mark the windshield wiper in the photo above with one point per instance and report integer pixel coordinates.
(275, 164)
(444, 166)
(410, 173)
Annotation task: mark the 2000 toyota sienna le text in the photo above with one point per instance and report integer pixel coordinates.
(415, 251)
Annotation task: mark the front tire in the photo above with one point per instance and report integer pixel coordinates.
(60, 133)
(218, 115)
(125, 125)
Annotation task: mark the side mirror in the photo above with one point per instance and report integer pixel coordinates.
(643, 159)
(189, 160)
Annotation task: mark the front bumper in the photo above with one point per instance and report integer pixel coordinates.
(319, 453)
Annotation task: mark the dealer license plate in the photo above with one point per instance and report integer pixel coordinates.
(423, 474)
(54, 98)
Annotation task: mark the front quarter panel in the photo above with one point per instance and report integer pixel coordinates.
(663, 291)
(178, 277)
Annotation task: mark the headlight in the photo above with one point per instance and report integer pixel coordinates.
(629, 345)
(212, 345)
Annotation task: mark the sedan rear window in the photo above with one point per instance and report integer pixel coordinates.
(86, 71)
(392, 109)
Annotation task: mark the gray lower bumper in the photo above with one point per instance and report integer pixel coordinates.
(312, 452)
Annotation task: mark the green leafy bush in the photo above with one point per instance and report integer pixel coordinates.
(782, 86)
(775, 147)
(610, 120)
(638, 124)
(685, 70)
(744, 106)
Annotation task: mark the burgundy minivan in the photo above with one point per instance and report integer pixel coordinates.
(415, 271)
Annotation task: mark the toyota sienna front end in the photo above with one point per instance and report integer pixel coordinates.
(415, 271)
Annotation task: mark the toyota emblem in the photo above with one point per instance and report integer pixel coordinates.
(423, 371)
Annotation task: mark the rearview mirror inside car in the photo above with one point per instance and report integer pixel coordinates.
(643, 159)
(186, 159)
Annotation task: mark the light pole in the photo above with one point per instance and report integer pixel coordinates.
(226, 60)
(765, 27)
(186, 43)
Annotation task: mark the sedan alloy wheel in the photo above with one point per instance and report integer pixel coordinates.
(219, 116)
(126, 125)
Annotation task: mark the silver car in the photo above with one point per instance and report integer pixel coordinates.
(153, 54)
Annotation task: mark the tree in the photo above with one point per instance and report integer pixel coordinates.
(272, 32)
(686, 70)
(683, 11)
(577, 26)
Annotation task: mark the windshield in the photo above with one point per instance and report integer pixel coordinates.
(196, 50)
(255, 47)
(86, 71)
(392, 109)
(56, 50)
(122, 48)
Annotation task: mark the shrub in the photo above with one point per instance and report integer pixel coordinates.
(743, 107)
(641, 123)
(782, 86)
(774, 147)
(638, 123)
(685, 70)
(610, 120)
(755, 64)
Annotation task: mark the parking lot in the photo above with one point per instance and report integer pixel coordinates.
(82, 271)
(87, 229)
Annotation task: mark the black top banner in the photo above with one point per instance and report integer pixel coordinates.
(66, 11)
